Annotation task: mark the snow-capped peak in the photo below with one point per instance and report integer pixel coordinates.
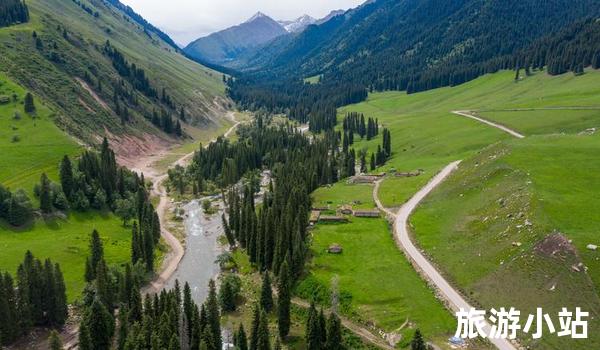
(298, 24)
(256, 16)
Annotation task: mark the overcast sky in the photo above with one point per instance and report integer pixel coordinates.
(187, 20)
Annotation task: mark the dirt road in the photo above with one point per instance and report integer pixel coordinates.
(401, 233)
(469, 114)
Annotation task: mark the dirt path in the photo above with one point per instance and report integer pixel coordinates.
(173, 258)
(401, 234)
(355, 328)
(469, 114)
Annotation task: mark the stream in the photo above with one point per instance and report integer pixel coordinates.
(201, 249)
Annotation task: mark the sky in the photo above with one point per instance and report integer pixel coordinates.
(187, 20)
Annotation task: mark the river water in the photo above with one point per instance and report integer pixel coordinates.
(201, 250)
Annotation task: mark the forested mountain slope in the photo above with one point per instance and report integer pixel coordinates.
(387, 44)
(108, 71)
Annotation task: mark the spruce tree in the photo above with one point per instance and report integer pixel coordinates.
(241, 341)
(266, 294)
(226, 297)
(334, 333)
(213, 316)
(66, 177)
(284, 301)
(96, 254)
(101, 325)
(313, 329)
(255, 328)
(418, 343)
(45, 194)
(263, 342)
(29, 104)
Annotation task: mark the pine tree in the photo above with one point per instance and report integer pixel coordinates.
(85, 339)
(284, 301)
(266, 294)
(96, 254)
(45, 194)
(54, 341)
(264, 342)
(100, 324)
(61, 312)
(334, 333)
(313, 328)
(29, 104)
(227, 297)
(255, 328)
(66, 177)
(418, 343)
(241, 341)
(213, 316)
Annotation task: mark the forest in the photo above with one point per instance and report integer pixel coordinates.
(13, 12)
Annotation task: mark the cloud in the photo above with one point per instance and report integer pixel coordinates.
(187, 20)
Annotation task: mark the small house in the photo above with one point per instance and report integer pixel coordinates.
(332, 218)
(335, 249)
(374, 213)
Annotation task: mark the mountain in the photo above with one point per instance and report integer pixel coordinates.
(224, 46)
(331, 14)
(404, 39)
(299, 24)
(105, 71)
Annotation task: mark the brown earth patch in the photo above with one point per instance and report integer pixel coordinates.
(556, 245)
(93, 94)
(129, 149)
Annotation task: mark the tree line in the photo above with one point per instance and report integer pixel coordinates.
(13, 12)
(37, 299)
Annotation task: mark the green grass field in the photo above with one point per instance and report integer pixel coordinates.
(540, 122)
(41, 144)
(487, 227)
(376, 283)
(67, 243)
(41, 147)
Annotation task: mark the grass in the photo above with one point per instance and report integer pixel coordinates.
(487, 225)
(41, 144)
(67, 243)
(189, 84)
(540, 122)
(375, 281)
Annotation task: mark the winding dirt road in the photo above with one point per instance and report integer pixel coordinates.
(469, 114)
(401, 233)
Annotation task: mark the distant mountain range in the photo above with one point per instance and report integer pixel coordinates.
(226, 46)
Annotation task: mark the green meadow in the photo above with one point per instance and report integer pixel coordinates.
(29, 144)
(377, 285)
(511, 226)
(39, 148)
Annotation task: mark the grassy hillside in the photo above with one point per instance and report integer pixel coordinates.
(511, 227)
(29, 144)
(69, 46)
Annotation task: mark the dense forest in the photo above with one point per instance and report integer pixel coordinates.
(412, 46)
(12, 12)
(36, 299)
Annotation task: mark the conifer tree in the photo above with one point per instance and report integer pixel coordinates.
(284, 301)
(100, 324)
(266, 293)
(66, 176)
(29, 104)
(313, 329)
(255, 328)
(418, 343)
(213, 316)
(96, 254)
(334, 333)
(45, 194)
(263, 342)
(241, 341)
